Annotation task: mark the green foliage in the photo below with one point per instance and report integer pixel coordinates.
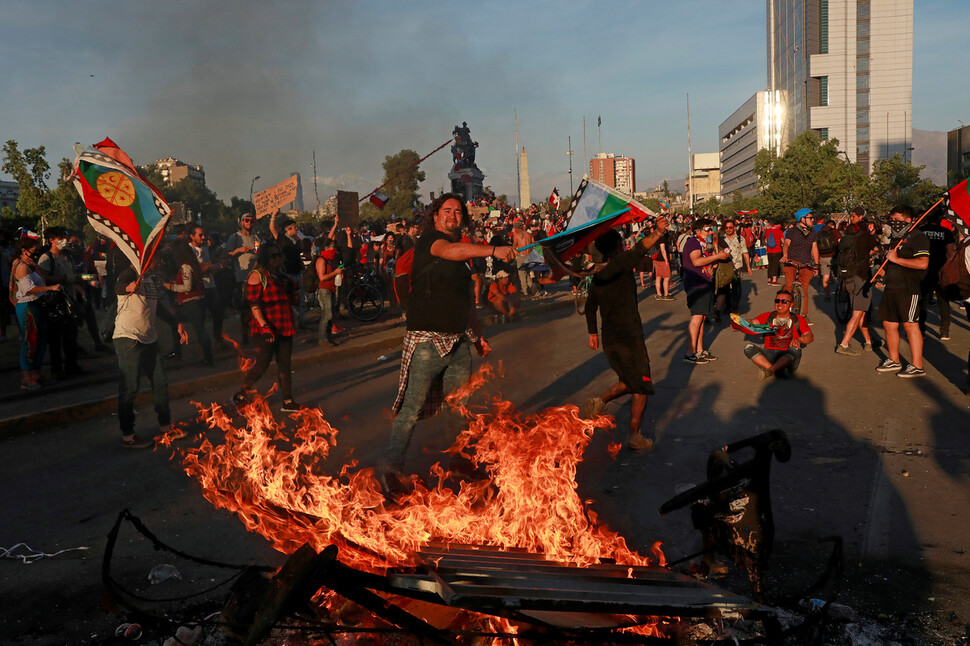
(652, 203)
(897, 182)
(402, 177)
(812, 173)
(738, 202)
(39, 206)
(710, 206)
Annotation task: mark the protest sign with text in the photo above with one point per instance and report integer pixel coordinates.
(272, 198)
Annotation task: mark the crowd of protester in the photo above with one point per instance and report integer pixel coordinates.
(57, 284)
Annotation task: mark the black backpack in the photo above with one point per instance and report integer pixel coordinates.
(954, 278)
(826, 241)
(849, 260)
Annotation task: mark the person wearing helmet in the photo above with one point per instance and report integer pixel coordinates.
(801, 246)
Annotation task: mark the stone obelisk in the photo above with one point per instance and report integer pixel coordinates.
(525, 200)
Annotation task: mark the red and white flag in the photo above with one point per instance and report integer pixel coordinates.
(378, 199)
(554, 198)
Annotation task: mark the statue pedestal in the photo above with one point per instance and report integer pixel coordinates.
(467, 182)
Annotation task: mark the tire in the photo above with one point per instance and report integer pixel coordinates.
(843, 304)
(796, 299)
(580, 296)
(365, 302)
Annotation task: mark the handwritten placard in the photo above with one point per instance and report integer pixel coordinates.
(272, 198)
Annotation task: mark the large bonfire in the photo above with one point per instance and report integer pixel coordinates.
(271, 475)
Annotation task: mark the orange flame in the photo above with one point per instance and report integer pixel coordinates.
(274, 482)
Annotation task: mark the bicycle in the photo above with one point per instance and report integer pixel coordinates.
(797, 297)
(582, 293)
(843, 302)
(365, 298)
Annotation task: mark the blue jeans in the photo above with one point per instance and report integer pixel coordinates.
(454, 369)
(134, 360)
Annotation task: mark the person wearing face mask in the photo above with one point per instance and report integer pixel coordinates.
(58, 268)
(801, 246)
(698, 264)
(904, 269)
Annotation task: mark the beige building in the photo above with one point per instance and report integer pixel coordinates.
(958, 155)
(704, 182)
(175, 170)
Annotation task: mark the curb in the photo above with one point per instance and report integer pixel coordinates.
(387, 335)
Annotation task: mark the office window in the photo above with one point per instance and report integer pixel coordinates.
(862, 99)
(862, 46)
(862, 134)
(823, 90)
(862, 29)
(823, 27)
(823, 134)
(862, 64)
(862, 82)
(862, 149)
(862, 117)
(862, 10)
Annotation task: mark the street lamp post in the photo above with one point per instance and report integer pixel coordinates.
(251, 185)
(569, 153)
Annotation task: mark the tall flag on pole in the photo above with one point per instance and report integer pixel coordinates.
(957, 202)
(121, 204)
(663, 204)
(554, 198)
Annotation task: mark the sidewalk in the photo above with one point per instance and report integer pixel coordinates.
(95, 394)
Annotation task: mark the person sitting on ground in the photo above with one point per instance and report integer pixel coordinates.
(782, 351)
(503, 295)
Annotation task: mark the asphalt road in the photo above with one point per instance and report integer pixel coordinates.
(882, 462)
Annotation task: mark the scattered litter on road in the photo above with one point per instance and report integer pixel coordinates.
(163, 572)
(905, 473)
(31, 554)
(383, 357)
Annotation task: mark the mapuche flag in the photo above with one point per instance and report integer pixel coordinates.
(121, 204)
(957, 202)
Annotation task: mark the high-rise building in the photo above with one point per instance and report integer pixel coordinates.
(615, 171)
(843, 68)
(752, 127)
(705, 178)
(9, 194)
(525, 199)
(957, 155)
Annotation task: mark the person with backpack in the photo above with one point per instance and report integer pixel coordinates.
(855, 251)
(774, 241)
(828, 246)
(326, 267)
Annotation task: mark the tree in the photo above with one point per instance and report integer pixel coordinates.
(402, 177)
(812, 173)
(665, 191)
(897, 182)
(30, 170)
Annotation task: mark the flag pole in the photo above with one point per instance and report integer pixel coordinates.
(908, 231)
(404, 171)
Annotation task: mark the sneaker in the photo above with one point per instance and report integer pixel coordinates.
(867, 347)
(889, 366)
(707, 355)
(695, 358)
(29, 385)
(847, 350)
(911, 371)
(239, 400)
(592, 407)
(290, 406)
(945, 337)
(134, 442)
(639, 443)
(812, 323)
(767, 374)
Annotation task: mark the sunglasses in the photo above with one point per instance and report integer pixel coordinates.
(782, 300)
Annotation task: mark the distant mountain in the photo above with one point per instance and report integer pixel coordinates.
(930, 149)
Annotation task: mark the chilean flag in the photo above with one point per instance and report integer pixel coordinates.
(554, 198)
(378, 199)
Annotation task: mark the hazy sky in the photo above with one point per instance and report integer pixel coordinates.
(253, 88)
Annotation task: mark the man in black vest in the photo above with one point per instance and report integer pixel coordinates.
(442, 324)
